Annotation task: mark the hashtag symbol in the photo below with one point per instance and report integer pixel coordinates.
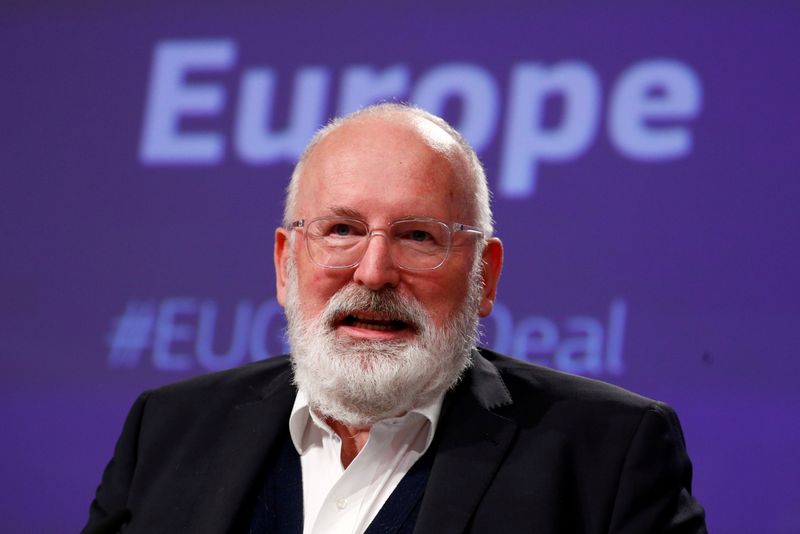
(131, 333)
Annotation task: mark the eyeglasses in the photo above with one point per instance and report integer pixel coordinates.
(415, 244)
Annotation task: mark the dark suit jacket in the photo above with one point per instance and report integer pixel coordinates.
(520, 448)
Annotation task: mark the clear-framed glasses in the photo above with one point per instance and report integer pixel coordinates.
(415, 244)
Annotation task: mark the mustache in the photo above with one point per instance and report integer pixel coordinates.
(354, 298)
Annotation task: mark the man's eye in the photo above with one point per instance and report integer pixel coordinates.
(419, 236)
(341, 229)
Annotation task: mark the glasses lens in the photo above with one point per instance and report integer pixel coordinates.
(419, 244)
(336, 241)
(416, 244)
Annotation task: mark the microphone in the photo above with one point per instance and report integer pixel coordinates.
(111, 524)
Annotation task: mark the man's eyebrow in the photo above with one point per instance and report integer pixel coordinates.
(345, 212)
(342, 211)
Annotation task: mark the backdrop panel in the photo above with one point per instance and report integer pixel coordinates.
(644, 160)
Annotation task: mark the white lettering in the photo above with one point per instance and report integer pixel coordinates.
(503, 323)
(527, 140)
(617, 315)
(168, 331)
(535, 337)
(474, 87)
(255, 142)
(661, 91)
(268, 312)
(206, 327)
(170, 98)
(186, 332)
(551, 114)
(581, 353)
(576, 347)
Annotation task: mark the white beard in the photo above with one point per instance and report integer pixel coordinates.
(360, 382)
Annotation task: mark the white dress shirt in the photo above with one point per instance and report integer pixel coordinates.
(345, 501)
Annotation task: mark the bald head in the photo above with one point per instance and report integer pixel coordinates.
(391, 124)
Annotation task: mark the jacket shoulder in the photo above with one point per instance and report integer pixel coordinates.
(613, 458)
(253, 377)
(543, 386)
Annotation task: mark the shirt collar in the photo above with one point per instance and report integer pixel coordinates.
(302, 416)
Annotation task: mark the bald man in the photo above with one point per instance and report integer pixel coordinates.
(386, 417)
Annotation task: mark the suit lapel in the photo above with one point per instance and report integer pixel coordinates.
(236, 463)
(472, 441)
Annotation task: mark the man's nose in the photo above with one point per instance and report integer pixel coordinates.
(377, 269)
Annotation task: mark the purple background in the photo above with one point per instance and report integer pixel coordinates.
(701, 249)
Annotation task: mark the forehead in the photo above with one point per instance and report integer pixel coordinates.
(386, 168)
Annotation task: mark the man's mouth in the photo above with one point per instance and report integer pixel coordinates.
(373, 321)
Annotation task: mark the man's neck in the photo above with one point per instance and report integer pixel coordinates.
(353, 439)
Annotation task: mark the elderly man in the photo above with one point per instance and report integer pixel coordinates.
(386, 418)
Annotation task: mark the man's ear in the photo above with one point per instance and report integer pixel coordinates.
(282, 253)
(492, 265)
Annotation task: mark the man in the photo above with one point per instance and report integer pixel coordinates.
(386, 418)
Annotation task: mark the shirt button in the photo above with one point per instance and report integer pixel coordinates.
(341, 503)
